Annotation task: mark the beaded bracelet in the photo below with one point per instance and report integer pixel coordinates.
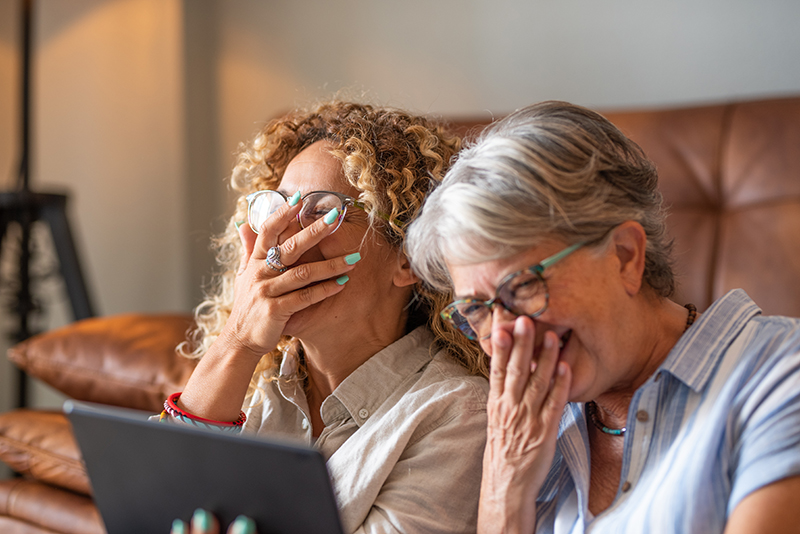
(171, 408)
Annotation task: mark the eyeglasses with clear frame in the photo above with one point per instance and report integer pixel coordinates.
(522, 292)
(316, 205)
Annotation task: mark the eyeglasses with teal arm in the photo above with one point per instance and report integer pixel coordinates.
(522, 292)
(316, 205)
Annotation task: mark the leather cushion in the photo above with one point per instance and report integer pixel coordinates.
(729, 174)
(41, 445)
(123, 360)
(10, 525)
(22, 510)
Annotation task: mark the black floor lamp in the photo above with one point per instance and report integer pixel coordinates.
(23, 207)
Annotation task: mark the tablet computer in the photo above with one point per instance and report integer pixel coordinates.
(145, 474)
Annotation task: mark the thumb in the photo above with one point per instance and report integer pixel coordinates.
(248, 238)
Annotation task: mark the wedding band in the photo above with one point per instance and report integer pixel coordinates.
(274, 260)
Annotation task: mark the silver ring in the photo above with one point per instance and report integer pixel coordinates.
(274, 260)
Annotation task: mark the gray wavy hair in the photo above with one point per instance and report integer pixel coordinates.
(550, 170)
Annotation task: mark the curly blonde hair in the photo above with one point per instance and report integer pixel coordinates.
(393, 158)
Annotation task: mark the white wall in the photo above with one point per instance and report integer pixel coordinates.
(491, 57)
(109, 127)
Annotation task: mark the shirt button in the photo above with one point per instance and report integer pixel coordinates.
(626, 486)
(642, 416)
(363, 413)
(304, 424)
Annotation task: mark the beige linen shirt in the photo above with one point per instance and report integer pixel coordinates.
(403, 439)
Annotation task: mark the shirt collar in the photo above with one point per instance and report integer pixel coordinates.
(289, 363)
(693, 359)
(363, 392)
(370, 384)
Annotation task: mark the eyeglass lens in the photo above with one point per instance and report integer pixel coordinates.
(315, 206)
(524, 294)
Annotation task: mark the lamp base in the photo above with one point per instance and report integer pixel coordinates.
(26, 207)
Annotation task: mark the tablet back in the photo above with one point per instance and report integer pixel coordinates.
(145, 474)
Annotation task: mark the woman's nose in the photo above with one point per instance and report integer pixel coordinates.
(503, 318)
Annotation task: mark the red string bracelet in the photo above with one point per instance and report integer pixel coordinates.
(171, 407)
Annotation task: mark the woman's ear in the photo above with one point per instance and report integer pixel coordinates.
(404, 276)
(630, 244)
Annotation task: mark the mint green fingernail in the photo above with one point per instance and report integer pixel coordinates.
(238, 224)
(243, 525)
(201, 520)
(331, 216)
(342, 280)
(352, 258)
(295, 199)
(178, 527)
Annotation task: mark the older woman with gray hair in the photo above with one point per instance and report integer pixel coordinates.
(612, 408)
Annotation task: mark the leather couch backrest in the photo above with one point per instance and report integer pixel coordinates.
(731, 176)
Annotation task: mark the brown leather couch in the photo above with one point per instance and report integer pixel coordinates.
(123, 360)
(730, 172)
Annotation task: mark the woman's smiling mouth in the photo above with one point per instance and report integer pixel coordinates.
(562, 341)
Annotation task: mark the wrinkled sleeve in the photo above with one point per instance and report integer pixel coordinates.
(768, 449)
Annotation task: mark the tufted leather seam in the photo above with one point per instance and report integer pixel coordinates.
(30, 450)
(5, 507)
(39, 528)
(41, 522)
(716, 239)
(687, 168)
(12, 494)
(769, 203)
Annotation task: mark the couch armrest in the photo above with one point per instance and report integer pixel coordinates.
(124, 360)
(40, 445)
(27, 506)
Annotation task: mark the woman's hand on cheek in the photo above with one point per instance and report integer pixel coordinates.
(526, 400)
(205, 523)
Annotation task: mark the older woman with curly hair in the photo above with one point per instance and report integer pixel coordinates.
(318, 330)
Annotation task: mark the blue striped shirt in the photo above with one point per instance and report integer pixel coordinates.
(717, 421)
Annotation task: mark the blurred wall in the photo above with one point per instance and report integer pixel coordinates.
(477, 57)
(140, 104)
(108, 128)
